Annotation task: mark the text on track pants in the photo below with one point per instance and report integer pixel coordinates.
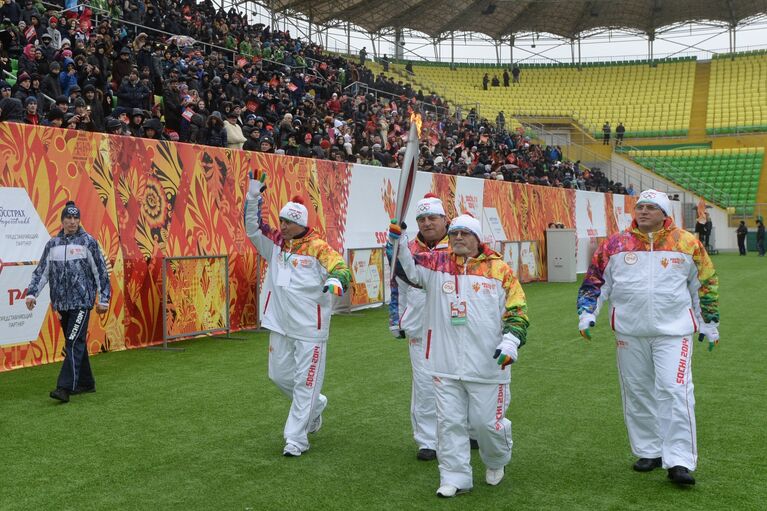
(298, 369)
(658, 401)
(480, 406)
(76, 369)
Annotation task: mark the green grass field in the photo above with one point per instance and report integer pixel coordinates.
(202, 429)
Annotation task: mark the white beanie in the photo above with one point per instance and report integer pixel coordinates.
(295, 211)
(660, 199)
(468, 223)
(429, 205)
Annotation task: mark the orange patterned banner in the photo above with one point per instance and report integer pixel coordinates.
(196, 295)
(145, 200)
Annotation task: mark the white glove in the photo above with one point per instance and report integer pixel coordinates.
(334, 286)
(710, 330)
(256, 186)
(586, 321)
(31, 301)
(506, 352)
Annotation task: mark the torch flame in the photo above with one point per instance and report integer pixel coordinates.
(416, 118)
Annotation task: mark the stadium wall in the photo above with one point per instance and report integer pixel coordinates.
(146, 200)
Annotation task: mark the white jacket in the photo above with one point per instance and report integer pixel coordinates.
(495, 309)
(657, 286)
(295, 305)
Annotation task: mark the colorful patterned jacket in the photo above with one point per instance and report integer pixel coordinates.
(494, 303)
(76, 270)
(406, 307)
(294, 304)
(660, 285)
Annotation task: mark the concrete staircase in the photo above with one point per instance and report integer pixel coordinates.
(700, 101)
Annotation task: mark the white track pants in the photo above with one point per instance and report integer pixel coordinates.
(481, 406)
(658, 401)
(423, 404)
(298, 369)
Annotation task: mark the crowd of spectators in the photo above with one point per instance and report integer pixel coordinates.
(191, 72)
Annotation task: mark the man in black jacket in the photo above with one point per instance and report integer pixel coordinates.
(742, 231)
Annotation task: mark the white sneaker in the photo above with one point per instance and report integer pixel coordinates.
(494, 476)
(448, 490)
(316, 424)
(291, 451)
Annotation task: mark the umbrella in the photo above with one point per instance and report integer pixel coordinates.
(181, 40)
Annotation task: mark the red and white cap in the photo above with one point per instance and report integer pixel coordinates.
(295, 211)
(660, 199)
(429, 205)
(466, 222)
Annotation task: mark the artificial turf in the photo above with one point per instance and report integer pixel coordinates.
(202, 429)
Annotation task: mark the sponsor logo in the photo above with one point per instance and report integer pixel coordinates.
(487, 287)
(16, 294)
(476, 287)
(294, 262)
(76, 251)
(306, 263)
(682, 367)
(664, 262)
(313, 367)
(621, 344)
(448, 287)
(294, 214)
(436, 379)
(630, 258)
(499, 410)
(13, 217)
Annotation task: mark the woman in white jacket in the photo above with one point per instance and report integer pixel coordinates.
(475, 312)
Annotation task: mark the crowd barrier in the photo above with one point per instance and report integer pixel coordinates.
(145, 200)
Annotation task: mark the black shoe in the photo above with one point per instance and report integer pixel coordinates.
(426, 454)
(83, 390)
(473, 443)
(60, 394)
(647, 464)
(680, 475)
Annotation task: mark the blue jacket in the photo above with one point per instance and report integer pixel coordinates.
(76, 270)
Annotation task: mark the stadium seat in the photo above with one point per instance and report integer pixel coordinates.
(734, 172)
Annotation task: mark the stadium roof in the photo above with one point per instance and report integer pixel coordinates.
(498, 18)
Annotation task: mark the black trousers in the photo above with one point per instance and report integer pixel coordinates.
(76, 369)
(742, 244)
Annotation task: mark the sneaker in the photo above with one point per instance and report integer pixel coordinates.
(60, 394)
(426, 454)
(291, 451)
(494, 476)
(447, 490)
(681, 475)
(83, 390)
(647, 464)
(316, 424)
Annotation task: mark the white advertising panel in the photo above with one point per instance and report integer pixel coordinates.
(17, 323)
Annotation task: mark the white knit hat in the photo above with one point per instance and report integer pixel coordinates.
(429, 205)
(295, 211)
(660, 199)
(466, 222)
